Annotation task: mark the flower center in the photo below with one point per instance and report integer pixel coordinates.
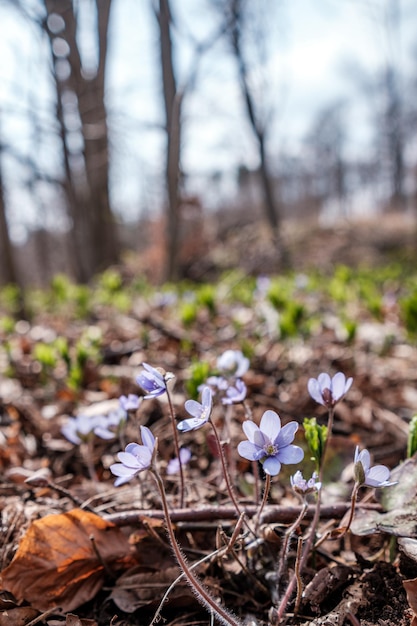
(270, 449)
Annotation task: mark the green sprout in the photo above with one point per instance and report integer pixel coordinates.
(412, 437)
(316, 436)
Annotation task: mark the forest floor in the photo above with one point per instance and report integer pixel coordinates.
(76, 550)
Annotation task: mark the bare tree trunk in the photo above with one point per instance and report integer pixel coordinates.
(271, 203)
(172, 102)
(94, 233)
(8, 268)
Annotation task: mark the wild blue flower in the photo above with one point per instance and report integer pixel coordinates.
(216, 382)
(328, 391)
(235, 393)
(303, 486)
(111, 425)
(173, 466)
(376, 476)
(270, 444)
(81, 428)
(130, 402)
(152, 381)
(200, 412)
(135, 458)
(233, 363)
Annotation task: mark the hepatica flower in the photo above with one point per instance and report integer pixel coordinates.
(130, 402)
(233, 363)
(152, 381)
(135, 458)
(270, 444)
(200, 412)
(173, 466)
(303, 486)
(235, 393)
(367, 476)
(82, 428)
(328, 391)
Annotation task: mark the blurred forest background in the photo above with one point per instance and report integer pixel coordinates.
(165, 127)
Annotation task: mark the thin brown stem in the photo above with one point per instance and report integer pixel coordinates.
(177, 447)
(288, 536)
(267, 489)
(225, 470)
(201, 592)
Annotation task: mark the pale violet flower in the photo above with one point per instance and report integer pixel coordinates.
(173, 466)
(81, 428)
(328, 391)
(376, 476)
(233, 363)
(235, 393)
(152, 381)
(200, 412)
(303, 486)
(130, 402)
(216, 382)
(270, 444)
(111, 425)
(135, 458)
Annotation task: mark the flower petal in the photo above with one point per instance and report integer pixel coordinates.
(270, 424)
(377, 475)
(193, 407)
(250, 428)
(338, 386)
(271, 466)
(290, 454)
(287, 434)
(365, 458)
(192, 423)
(249, 451)
(314, 390)
(207, 397)
(324, 381)
(148, 439)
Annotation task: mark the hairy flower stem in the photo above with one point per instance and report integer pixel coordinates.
(202, 594)
(353, 499)
(177, 448)
(301, 561)
(88, 454)
(225, 470)
(267, 489)
(291, 530)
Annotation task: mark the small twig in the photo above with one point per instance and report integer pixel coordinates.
(100, 558)
(42, 616)
(271, 513)
(298, 575)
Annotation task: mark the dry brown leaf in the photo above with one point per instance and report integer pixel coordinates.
(410, 587)
(18, 617)
(141, 587)
(56, 563)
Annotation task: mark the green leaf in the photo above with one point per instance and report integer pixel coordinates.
(316, 436)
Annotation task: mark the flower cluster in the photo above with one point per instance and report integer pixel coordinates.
(231, 365)
(82, 428)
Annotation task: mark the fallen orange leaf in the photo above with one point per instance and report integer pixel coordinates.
(58, 564)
